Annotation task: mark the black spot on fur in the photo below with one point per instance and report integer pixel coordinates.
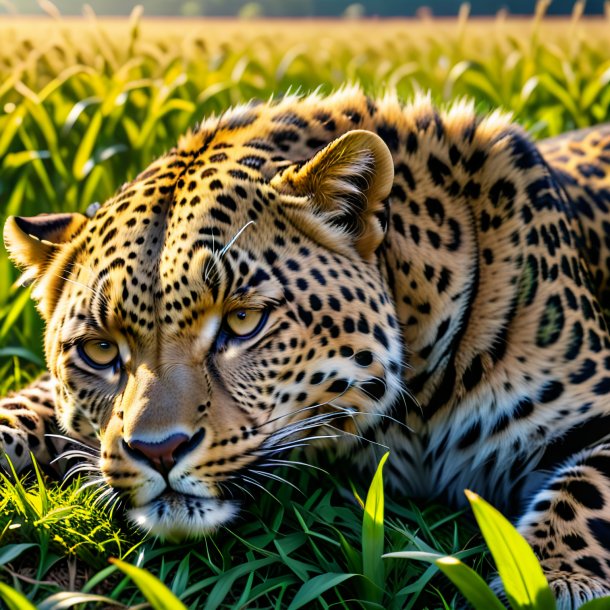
(389, 135)
(374, 387)
(473, 373)
(600, 528)
(551, 391)
(564, 511)
(585, 493)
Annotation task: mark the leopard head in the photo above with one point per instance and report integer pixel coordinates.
(208, 319)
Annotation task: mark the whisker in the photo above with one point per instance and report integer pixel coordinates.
(90, 483)
(81, 467)
(362, 438)
(301, 442)
(243, 489)
(350, 413)
(112, 499)
(75, 453)
(235, 238)
(289, 414)
(67, 279)
(104, 494)
(69, 439)
(274, 477)
(257, 484)
(292, 464)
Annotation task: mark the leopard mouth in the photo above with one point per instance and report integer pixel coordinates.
(174, 516)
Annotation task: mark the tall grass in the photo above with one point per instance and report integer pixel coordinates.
(86, 104)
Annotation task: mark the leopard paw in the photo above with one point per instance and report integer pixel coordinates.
(14, 445)
(573, 589)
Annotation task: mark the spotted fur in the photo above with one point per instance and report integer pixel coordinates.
(429, 280)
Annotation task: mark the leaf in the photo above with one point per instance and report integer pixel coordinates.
(481, 83)
(314, 588)
(157, 594)
(16, 308)
(75, 112)
(226, 580)
(519, 569)
(596, 86)
(83, 163)
(67, 599)
(10, 128)
(14, 160)
(470, 584)
(373, 537)
(556, 90)
(12, 551)
(418, 555)
(15, 600)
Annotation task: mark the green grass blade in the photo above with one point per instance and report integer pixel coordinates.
(373, 535)
(519, 569)
(227, 579)
(314, 588)
(470, 584)
(23, 353)
(82, 161)
(418, 555)
(17, 307)
(14, 600)
(157, 594)
(12, 551)
(10, 128)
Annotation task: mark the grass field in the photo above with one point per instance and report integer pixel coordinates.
(84, 105)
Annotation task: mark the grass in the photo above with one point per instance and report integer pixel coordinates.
(288, 539)
(83, 108)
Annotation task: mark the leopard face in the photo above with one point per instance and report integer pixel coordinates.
(208, 319)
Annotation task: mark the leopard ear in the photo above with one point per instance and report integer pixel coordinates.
(33, 242)
(346, 183)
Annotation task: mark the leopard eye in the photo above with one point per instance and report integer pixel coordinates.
(245, 323)
(98, 353)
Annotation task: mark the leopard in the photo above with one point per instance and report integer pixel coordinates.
(330, 274)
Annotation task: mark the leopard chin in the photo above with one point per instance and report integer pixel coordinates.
(174, 516)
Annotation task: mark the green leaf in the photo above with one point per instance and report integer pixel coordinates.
(373, 536)
(83, 162)
(157, 594)
(470, 584)
(12, 551)
(481, 83)
(10, 128)
(519, 569)
(314, 588)
(556, 90)
(226, 580)
(418, 555)
(596, 85)
(15, 160)
(15, 600)
(75, 112)
(17, 307)
(23, 353)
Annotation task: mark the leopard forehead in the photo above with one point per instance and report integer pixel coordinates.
(167, 234)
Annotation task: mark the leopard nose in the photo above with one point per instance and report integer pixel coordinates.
(163, 455)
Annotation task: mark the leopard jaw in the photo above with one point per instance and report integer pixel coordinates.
(173, 516)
